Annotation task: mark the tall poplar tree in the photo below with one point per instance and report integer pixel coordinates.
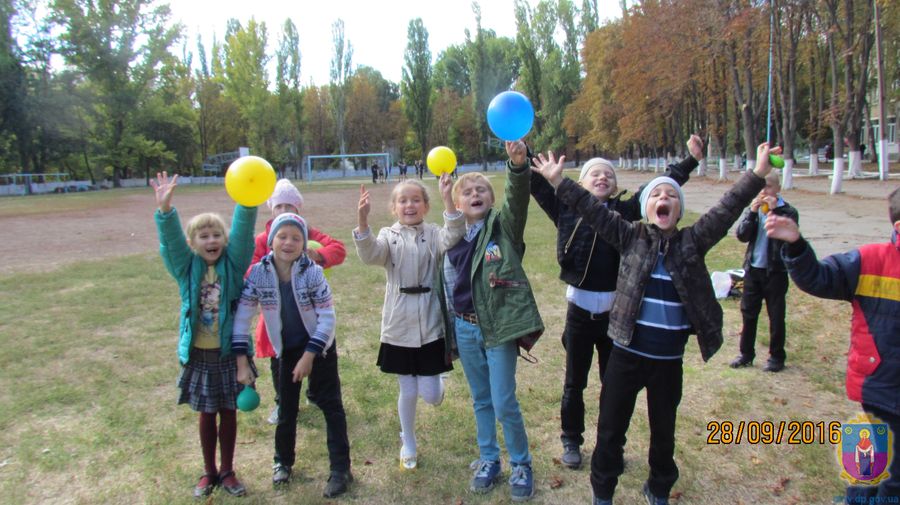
(416, 85)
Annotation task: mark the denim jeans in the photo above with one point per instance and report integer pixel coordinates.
(491, 373)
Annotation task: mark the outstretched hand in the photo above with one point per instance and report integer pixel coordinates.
(517, 151)
(164, 188)
(762, 159)
(445, 184)
(782, 228)
(695, 147)
(549, 167)
(362, 211)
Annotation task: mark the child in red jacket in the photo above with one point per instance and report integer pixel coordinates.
(287, 198)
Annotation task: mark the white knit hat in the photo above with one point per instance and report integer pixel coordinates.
(645, 194)
(285, 192)
(593, 162)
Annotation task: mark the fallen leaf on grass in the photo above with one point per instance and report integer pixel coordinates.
(556, 461)
(778, 488)
(367, 462)
(676, 495)
(556, 482)
(755, 460)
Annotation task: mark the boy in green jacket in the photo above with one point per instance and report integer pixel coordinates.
(492, 312)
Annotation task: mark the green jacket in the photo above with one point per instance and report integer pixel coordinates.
(501, 293)
(188, 269)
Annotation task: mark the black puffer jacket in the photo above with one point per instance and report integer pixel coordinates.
(684, 251)
(586, 261)
(747, 232)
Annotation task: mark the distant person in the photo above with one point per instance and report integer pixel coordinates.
(297, 306)
(420, 169)
(868, 277)
(375, 171)
(829, 151)
(209, 266)
(765, 277)
(402, 167)
(664, 294)
(412, 330)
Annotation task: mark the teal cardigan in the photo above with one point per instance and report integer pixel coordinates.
(188, 269)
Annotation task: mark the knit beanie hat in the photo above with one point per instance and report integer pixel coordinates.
(593, 162)
(286, 192)
(645, 194)
(287, 218)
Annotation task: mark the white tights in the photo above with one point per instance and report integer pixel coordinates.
(430, 388)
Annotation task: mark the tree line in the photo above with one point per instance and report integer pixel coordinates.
(114, 89)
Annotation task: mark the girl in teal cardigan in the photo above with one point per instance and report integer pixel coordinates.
(209, 270)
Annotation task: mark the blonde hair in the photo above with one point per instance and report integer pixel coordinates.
(409, 182)
(206, 220)
(471, 177)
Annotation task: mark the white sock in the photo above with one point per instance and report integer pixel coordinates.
(406, 407)
(431, 388)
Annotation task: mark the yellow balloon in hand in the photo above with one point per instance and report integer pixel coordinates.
(315, 246)
(441, 160)
(250, 181)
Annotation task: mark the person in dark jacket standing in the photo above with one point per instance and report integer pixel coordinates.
(765, 277)
(869, 278)
(664, 293)
(589, 265)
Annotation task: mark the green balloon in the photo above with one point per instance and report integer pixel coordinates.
(776, 161)
(248, 399)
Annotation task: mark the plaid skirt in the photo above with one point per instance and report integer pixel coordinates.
(208, 381)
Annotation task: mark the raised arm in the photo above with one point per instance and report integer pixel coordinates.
(173, 247)
(518, 181)
(679, 172)
(370, 250)
(454, 222)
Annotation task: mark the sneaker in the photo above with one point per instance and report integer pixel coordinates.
(281, 474)
(602, 501)
(774, 366)
(273, 416)
(487, 473)
(571, 457)
(337, 484)
(651, 499)
(521, 483)
(741, 361)
(407, 459)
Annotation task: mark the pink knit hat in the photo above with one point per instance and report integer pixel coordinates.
(286, 192)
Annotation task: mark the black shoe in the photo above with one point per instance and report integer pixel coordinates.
(741, 361)
(205, 485)
(571, 457)
(337, 484)
(281, 474)
(236, 488)
(774, 366)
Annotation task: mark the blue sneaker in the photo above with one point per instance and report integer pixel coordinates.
(521, 483)
(653, 499)
(487, 473)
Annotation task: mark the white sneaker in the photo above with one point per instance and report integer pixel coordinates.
(407, 459)
(273, 416)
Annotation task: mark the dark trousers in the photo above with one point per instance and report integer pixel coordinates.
(275, 368)
(326, 386)
(583, 332)
(771, 287)
(626, 374)
(889, 487)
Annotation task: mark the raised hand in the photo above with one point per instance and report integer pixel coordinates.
(695, 147)
(164, 188)
(549, 167)
(445, 184)
(362, 212)
(517, 152)
(782, 228)
(762, 159)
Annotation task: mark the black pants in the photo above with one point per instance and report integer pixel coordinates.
(771, 287)
(891, 486)
(326, 386)
(275, 368)
(626, 374)
(583, 332)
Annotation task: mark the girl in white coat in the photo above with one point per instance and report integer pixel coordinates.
(412, 331)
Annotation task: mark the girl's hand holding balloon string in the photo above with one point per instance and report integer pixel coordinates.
(446, 186)
(244, 376)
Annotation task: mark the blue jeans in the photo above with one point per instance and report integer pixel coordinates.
(491, 374)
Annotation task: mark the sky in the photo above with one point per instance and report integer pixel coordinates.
(377, 30)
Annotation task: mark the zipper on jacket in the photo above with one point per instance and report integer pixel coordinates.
(496, 282)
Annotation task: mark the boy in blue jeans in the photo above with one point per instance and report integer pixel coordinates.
(491, 313)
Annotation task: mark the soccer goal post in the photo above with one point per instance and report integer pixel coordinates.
(346, 169)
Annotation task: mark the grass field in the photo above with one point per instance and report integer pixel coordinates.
(88, 414)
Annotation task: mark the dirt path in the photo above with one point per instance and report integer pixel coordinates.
(41, 240)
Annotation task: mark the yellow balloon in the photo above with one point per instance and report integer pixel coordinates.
(250, 181)
(441, 160)
(315, 246)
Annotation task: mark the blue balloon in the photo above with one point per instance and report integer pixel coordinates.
(510, 115)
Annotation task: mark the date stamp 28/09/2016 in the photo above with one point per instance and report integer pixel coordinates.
(773, 432)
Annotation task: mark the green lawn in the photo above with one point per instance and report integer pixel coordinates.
(88, 413)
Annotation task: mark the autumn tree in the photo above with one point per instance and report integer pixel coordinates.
(341, 71)
(416, 84)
